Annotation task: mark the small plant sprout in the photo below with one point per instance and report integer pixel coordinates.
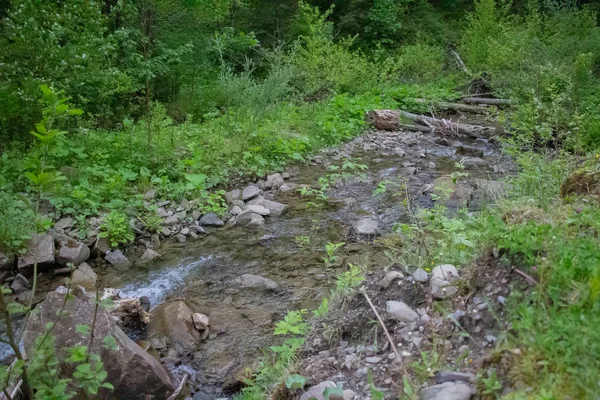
(331, 249)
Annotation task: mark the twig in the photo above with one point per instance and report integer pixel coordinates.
(179, 388)
(390, 340)
(527, 277)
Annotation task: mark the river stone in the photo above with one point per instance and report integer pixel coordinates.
(447, 391)
(19, 284)
(256, 209)
(420, 275)
(100, 247)
(148, 256)
(454, 376)
(200, 321)
(233, 195)
(454, 195)
(258, 200)
(235, 210)
(366, 227)
(274, 181)
(316, 392)
(211, 219)
(389, 278)
(180, 238)
(441, 289)
(249, 219)
(400, 311)
(255, 282)
(288, 186)
(469, 151)
(173, 321)
(474, 162)
(446, 272)
(85, 277)
(350, 204)
(73, 252)
(172, 220)
(64, 223)
(133, 372)
(275, 208)
(117, 259)
(45, 254)
(250, 192)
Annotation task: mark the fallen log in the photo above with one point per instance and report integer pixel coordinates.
(455, 106)
(414, 128)
(487, 100)
(390, 120)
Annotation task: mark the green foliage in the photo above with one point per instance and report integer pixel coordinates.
(323, 309)
(115, 227)
(331, 249)
(302, 241)
(419, 62)
(492, 386)
(293, 323)
(348, 281)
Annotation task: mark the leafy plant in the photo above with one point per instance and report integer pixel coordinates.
(331, 249)
(115, 227)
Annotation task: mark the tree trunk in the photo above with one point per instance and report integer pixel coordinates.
(487, 100)
(455, 106)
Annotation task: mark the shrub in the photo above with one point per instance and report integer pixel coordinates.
(116, 229)
(419, 62)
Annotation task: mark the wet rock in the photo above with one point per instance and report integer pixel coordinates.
(211, 219)
(474, 162)
(454, 376)
(63, 224)
(447, 391)
(172, 220)
(316, 392)
(256, 209)
(389, 278)
(43, 250)
(275, 208)
(454, 195)
(148, 256)
(201, 321)
(180, 238)
(274, 181)
(123, 364)
(173, 321)
(469, 151)
(185, 231)
(85, 277)
(250, 192)
(249, 219)
(420, 275)
(288, 186)
(117, 259)
(366, 227)
(73, 252)
(255, 281)
(400, 311)
(19, 284)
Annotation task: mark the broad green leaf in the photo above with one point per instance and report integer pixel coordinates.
(295, 381)
(83, 329)
(330, 391)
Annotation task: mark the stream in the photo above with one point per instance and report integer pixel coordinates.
(242, 319)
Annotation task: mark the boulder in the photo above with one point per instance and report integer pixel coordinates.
(117, 259)
(172, 220)
(64, 223)
(42, 251)
(73, 252)
(211, 219)
(201, 321)
(148, 256)
(133, 372)
(447, 391)
(250, 192)
(316, 392)
(366, 227)
(180, 238)
(274, 181)
(100, 247)
(19, 284)
(256, 209)
(173, 321)
(235, 210)
(85, 277)
(400, 311)
(255, 282)
(275, 208)
(454, 195)
(233, 195)
(249, 219)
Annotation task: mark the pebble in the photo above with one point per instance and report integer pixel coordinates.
(373, 360)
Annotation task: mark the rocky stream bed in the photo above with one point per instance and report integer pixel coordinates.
(245, 272)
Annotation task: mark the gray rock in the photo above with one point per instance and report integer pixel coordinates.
(173, 321)
(255, 281)
(275, 208)
(148, 256)
(420, 275)
(366, 227)
(196, 215)
(274, 181)
(256, 209)
(469, 151)
(184, 205)
(249, 219)
(389, 278)
(286, 175)
(161, 212)
(447, 391)
(73, 252)
(250, 192)
(117, 259)
(233, 195)
(287, 187)
(361, 373)
(150, 194)
(185, 231)
(257, 201)
(180, 238)
(64, 223)
(454, 376)
(441, 289)
(211, 219)
(172, 220)
(235, 210)
(447, 272)
(19, 284)
(122, 364)
(201, 321)
(43, 250)
(400, 311)
(350, 204)
(373, 360)
(5, 262)
(349, 394)
(454, 195)
(474, 162)
(85, 277)
(202, 396)
(316, 392)
(100, 247)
